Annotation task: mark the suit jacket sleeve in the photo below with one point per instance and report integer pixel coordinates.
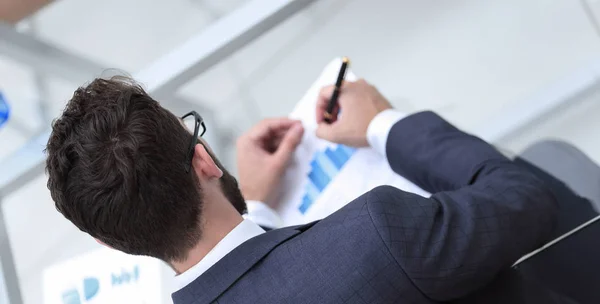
(484, 214)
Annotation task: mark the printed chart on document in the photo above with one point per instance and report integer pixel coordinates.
(323, 176)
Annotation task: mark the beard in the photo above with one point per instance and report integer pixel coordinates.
(229, 185)
(232, 192)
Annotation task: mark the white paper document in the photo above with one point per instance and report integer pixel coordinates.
(323, 177)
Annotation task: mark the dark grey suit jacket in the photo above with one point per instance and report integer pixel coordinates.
(390, 246)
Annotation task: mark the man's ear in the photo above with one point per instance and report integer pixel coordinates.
(102, 243)
(203, 163)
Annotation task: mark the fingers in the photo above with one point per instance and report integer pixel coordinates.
(269, 126)
(322, 101)
(290, 141)
(327, 130)
(274, 140)
(325, 96)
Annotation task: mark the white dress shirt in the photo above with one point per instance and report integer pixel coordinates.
(377, 134)
(244, 231)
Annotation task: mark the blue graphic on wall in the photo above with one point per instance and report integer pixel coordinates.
(91, 286)
(324, 166)
(125, 277)
(4, 110)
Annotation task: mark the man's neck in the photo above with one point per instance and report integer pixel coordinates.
(218, 220)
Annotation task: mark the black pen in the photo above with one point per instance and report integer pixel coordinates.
(336, 91)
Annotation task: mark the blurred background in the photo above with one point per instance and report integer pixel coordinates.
(511, 71)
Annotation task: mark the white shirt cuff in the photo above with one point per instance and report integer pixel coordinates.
(263, 215)
(379, 129)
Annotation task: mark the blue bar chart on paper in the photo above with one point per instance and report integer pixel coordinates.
(324, 166)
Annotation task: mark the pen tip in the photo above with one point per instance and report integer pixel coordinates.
(345, 59)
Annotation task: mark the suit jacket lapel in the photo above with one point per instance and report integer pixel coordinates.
(224, 273)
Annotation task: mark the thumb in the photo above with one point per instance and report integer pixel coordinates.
(289, 142)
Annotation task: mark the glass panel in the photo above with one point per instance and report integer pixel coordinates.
(126, 34)
(3, 292)
(462, 60)
(16, 89)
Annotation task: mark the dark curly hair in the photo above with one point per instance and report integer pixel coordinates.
(116, 170)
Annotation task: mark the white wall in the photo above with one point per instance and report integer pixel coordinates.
(466, 59)
(577, 124)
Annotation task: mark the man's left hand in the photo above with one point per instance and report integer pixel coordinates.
(263, 154)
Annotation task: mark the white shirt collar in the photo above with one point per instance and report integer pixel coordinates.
(241, 233)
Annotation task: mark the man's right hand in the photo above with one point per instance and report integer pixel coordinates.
(359, 103)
